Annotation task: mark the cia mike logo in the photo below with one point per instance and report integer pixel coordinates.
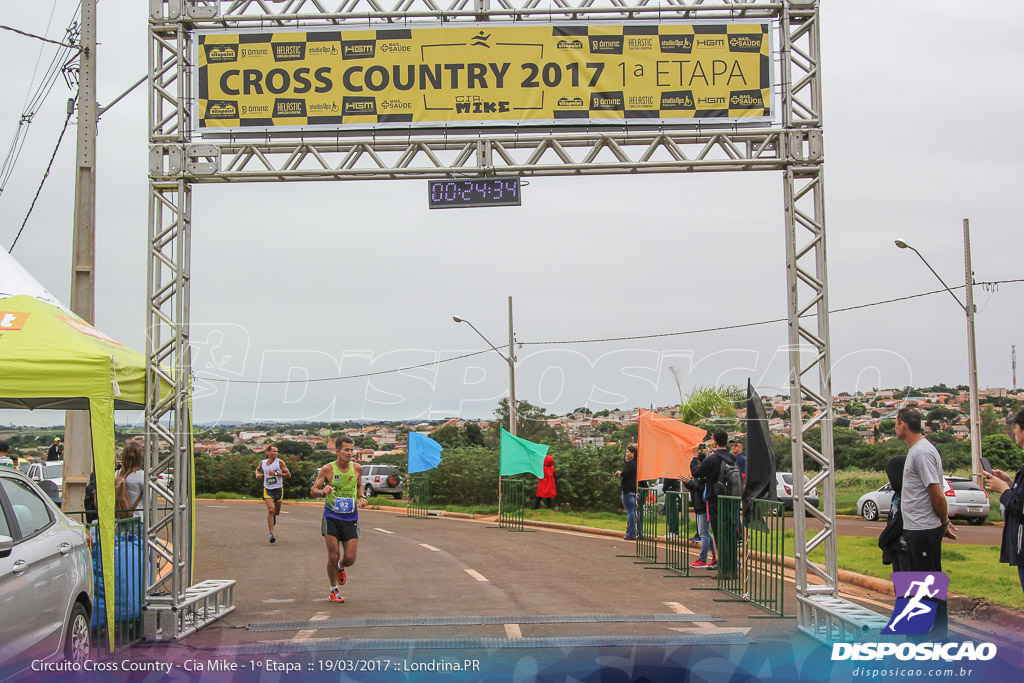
(914, 613)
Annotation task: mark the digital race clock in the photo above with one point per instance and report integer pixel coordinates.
(451, 194)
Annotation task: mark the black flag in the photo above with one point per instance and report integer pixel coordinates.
(760, 456)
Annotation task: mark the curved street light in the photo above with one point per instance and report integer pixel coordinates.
(510, 359)
(972, 358)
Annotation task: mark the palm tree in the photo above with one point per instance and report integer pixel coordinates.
(709, 402)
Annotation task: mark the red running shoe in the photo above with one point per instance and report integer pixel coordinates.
(698, 564)
(335, 596)
(341, 577)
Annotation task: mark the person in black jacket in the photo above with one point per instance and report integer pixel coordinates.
(709, 471)
(891, 541)
(700, 508)
(628, 486)
(1011, 500)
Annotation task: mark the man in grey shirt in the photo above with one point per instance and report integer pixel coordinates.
(923, 505)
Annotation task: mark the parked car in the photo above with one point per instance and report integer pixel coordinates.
(381, 479)
(52, 471)
(969, 501)
(875, 504)
(46, 578)
(964, 500)
(784, 490)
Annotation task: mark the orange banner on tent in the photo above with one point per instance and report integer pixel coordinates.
(666, 446)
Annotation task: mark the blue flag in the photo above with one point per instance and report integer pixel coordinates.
(424, 453)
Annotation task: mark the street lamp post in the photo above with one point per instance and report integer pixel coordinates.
(510, 359)
(972, 358)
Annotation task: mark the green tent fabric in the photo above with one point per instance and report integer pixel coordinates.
(54, 360)
(519, 455)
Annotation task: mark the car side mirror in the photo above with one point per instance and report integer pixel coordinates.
(6, 546)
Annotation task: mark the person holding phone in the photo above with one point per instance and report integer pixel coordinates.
(1011, 502)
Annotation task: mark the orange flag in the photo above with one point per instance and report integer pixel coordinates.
(665, 445)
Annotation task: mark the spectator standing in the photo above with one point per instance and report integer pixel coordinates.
(736, 446)
(891, 541)
(923, 505)
(1011, 502)
(696, 486)
(673, 505)
(5, 452)
(546, 486)
(709, 470)
(628, 487)
(134, 478)
(56, 451)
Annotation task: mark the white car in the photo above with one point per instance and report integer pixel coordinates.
(964, 500)
(784, 490)
(47, 471)
(46, 579)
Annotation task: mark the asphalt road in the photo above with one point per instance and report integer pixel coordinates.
(986, 534)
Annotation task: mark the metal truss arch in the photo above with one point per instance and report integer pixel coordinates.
(795, 147)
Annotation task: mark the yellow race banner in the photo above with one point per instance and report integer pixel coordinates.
(484, 74)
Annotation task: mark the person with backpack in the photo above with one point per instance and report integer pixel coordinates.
(722, 478)
(695, 486)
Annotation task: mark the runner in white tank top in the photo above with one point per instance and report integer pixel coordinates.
(273, 472)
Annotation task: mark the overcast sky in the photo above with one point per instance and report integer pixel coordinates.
(315, 280)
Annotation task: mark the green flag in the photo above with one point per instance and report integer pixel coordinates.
(519, 455)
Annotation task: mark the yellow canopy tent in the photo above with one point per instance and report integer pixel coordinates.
(52, 359)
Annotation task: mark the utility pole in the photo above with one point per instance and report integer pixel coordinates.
(1013, 364)
(77, 431)
(511, 373)
(972, 359)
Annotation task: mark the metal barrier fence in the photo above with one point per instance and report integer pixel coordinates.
(750, 561)
(648, 515)
(513, 504)
(677, 533)
(729, 540)
(419, 497)
(128, 590)
(764, 556)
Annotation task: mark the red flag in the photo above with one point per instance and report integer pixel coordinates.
(665, 445)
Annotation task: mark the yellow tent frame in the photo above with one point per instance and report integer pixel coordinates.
(54, 360)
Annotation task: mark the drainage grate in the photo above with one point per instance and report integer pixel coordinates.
(366, 644)
(480, 621)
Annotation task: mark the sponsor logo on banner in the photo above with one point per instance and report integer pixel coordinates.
(12, 321)
(358, 49)
(678, 99)
(287, 52)
(678, 44)
(746, 99)
(571, 102)
(710, 41)
(745, 42)
(914, 615)
(218, 54)
(222, 109)
(607, 101)
(640, 43)
(289, 107)
(359, 106)
(574, 44)
(86, 328)
(606, 45)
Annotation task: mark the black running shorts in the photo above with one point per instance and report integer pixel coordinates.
(273, 494)
(343, 531)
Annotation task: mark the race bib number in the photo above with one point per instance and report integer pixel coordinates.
(344, 506)
(271, 481)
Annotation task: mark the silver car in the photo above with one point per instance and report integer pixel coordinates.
(964, 500)
(46, 579)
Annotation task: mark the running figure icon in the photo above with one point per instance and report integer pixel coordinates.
(918, 598)
(914, 608)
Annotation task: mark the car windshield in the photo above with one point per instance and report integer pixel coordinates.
(53, 471)
(964, 486)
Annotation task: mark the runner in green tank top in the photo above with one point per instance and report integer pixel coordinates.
(338, 483)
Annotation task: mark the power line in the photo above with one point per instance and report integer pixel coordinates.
(588, 341)
(45, 40)
(45, 176)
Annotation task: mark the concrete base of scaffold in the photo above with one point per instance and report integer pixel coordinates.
(204, 603)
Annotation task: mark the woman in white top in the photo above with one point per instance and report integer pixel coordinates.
(273, 472)
(134, 479)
